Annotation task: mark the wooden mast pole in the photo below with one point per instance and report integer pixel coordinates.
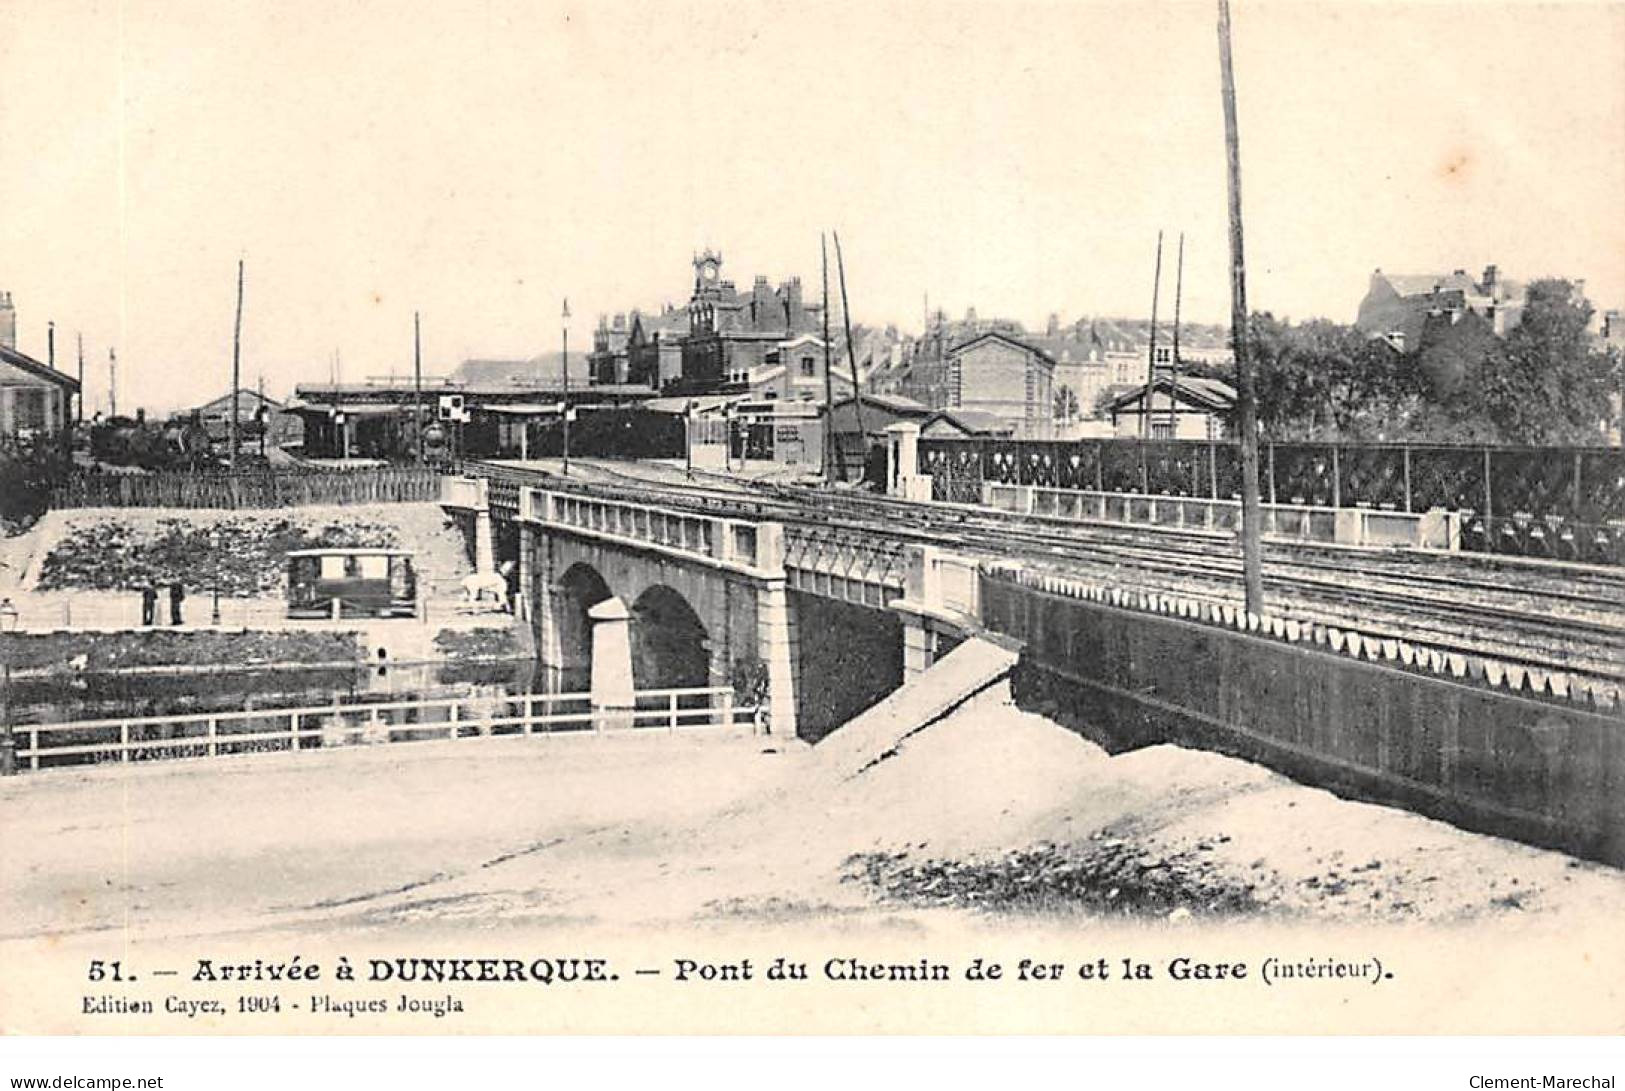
(236, 368)
(832, 459)
(417, 383)
(1246, 404)
(1151, 360)
(851, 351)
(1173, 386)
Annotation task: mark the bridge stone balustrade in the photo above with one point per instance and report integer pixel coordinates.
(1434, 529)
(706, 595)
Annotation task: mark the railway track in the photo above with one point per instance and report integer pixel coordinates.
(1542, 616)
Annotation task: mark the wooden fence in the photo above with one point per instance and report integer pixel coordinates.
(278, 489)
(312, 727)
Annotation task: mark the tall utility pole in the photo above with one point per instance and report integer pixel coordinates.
(851, 351)
(1252, 564)
(50, 344)
(566, 369)
(81, 416)
(1173, 385)
(236, 369)
(417, 383)
(1151, 361)
(832, 458)
(112, 384)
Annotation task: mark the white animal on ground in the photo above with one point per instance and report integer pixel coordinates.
(494, 584)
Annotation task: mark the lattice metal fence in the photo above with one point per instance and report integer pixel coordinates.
(1565, 502)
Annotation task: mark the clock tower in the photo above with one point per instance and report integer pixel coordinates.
(707, 272)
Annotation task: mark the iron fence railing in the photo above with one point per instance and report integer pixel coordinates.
(1561, 502)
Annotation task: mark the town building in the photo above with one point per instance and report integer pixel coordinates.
(654, 348)
(36, 400)
(1182, 407)
(607, 363)
(282, 428)
(1396, 306)
(1010, 379)
(732, 333)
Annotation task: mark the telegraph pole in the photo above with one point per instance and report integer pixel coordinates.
(831, 456)
(1151, 362)
(112, 384)
(1246, 406)
(50, 344)
(81, 417)
(851, 351)
(417, 383)
(566, 369)
(1173, 385)
(236, 369)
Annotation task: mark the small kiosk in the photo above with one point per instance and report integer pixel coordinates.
(340, 583)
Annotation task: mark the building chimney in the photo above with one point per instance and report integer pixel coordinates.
(1491, 275)
(8, 322)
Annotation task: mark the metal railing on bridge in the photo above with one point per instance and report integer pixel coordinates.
(80, 743)
(1563, 502)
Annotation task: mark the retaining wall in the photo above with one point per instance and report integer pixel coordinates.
(1545, 772)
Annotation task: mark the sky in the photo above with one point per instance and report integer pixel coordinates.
(481, 161)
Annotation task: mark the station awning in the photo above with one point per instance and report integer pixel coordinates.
(522, 409)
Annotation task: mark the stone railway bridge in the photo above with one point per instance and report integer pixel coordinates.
(626, 595)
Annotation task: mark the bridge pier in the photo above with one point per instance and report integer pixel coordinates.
(612, 686)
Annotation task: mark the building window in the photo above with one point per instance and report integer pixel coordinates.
(808, 368)
(1162, 429)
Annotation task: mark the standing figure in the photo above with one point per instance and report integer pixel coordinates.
(177, 595)
(149, 605)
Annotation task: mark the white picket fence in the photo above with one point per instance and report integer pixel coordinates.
(315, 727)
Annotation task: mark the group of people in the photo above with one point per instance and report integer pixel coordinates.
(149, 603)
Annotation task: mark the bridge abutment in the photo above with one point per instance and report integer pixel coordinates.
(776, 647)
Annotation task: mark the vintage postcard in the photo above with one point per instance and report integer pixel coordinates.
(996, 517)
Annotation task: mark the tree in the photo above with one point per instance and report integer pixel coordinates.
(28, 473)
(1546, 383)
(1323, 380)
(1066, 403)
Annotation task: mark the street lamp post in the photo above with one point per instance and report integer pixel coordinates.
(688, 440)
(214, 547)
(566, 370)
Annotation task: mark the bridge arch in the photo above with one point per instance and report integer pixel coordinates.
(577, 591)
(670, 645)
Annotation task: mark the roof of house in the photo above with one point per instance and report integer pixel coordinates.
(995, 335)
(1212, 394)
(1407, 284)
(43, 371)
(535, 370)
(247, 401)
(896, 403)
(973, 421)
